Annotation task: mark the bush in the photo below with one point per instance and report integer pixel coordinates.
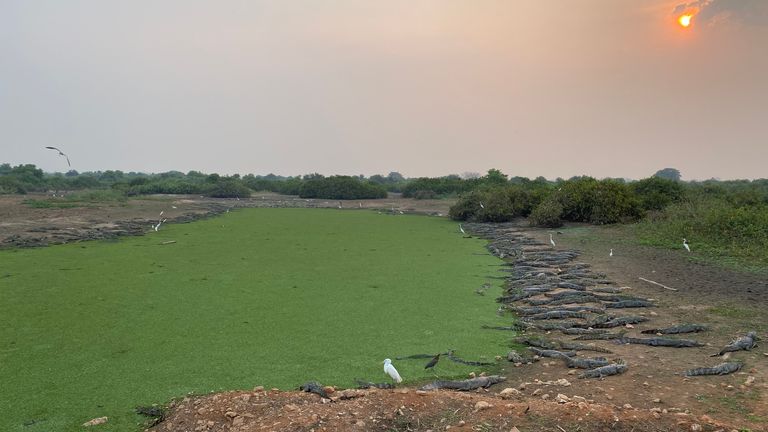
(547, 214)
(655, 193)
(499, 204)
(598, 202)
(424, 194)
(340, 187)
(229, 188)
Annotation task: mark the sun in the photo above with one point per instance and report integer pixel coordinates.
(685, 20)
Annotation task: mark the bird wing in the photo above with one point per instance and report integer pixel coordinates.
(392, 372)
(68, 164)
(52, 148)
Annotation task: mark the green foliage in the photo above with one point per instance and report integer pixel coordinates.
(440, 186)
(597, 201)
(547, 214)
(229, 188)
(103, 327)
(499, 204)
(714, 227)
(668, 174)
(340, 187)
(655, 193)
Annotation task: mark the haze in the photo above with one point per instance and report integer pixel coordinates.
(608, 88)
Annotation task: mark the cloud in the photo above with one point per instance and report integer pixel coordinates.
(754, 12)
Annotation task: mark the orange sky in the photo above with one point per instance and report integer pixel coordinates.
(599, 87)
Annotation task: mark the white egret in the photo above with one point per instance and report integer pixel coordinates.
(611, 253)
(157, 227)
(391, 371)
(461, 229)
(551, 240)
(61, 153)
(481, 205)
(685, 245)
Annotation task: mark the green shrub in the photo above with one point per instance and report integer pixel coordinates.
(655, 193)
(500, 204)
(424, 194)
(547, 214)
(229, 188)
(340, 187)
(597, 201)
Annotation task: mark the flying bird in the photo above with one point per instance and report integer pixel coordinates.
(391, 371)
(61, 153)
(685, 245)
(551, 240)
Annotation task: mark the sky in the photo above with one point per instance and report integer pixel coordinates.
(557, 88)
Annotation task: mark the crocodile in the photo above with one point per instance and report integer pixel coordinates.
(620, 321)
(609, 290)
(745, 343)
(585, 363)
(465, 385)
(552, 353)
(582, 331)
(314, 387)
(603, 371)
(588, 298)
(554, 325)
(529, 310)
(365, 384)
(513, 298)
(601, 336)
(558, 314)
(516, 357)
(418, 356)
(538, 342)
(581, 347)
(629, 304)
(571, 286)
(684, 328)
(570, 293)
(455, 359)
(663, 342)
(539, 302)
(512, 327)
(721, 369)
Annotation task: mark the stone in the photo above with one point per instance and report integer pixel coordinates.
(96, 421)
(231, 414)
(290, 407)
(482, 405)
(238, 421)
(509, 393)
(561, 398)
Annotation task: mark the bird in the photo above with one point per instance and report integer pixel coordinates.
(157, 227)
(685, 245)
(61, 153)
(433, 362)
(391, 371)
(360, 204)
(461, 229)
(481, 205)
(611, 253)
(340, 204)
(551, 240)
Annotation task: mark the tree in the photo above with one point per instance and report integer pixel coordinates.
(395, 177)
(668, 173)
(495, 177)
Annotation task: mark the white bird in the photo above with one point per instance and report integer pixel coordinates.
(61, 153)
(360, 204)
(551, 240)
(157, 227)
(685, 245)
(611, 253)
(339, 204)
(391, 371)
(481, 205)
(173, 206)
(461, 229)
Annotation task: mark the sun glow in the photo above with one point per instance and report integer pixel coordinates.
(685, 20)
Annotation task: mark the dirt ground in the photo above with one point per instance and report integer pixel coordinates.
(652, 396)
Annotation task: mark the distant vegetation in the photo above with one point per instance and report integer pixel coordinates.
(728, 217)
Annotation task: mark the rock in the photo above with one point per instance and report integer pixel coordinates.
(509, 393)
(421, 392)
(749, 381)
(461, 423)
(695, 427)
(563, 382)
(627, 406)
(514, 429)
(329, 389)
(561, 398)
(545, 396)
(482, 405)
(657, 400)
(96, 421)
(231, 414)
(579, 399)
(360, 423)
(536, 392)
(238, 421)
(290, 407)
(258, 388)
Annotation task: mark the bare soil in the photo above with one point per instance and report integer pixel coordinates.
(652, 396)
